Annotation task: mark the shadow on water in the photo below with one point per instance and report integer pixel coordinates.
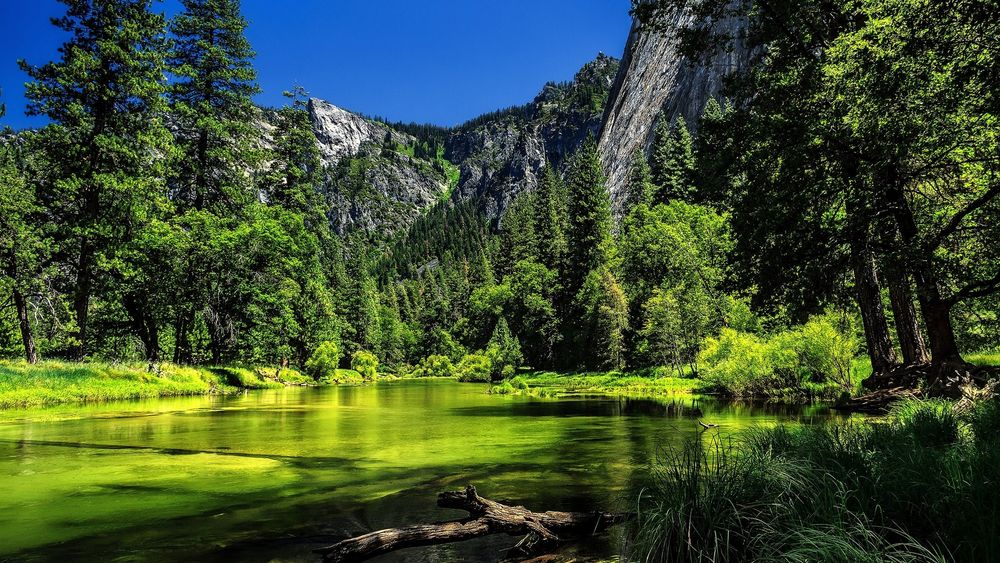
(275, 474)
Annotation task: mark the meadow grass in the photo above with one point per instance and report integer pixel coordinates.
(51, 382)
(610, 383)
(918, 485)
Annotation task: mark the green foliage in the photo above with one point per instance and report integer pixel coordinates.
(589, 208)
(475, 368)
(366, 364)
(325, 360)
(504, 351)
(911, 488)
(604, 319)
(435, 366)
(673, 162)
(816, 359)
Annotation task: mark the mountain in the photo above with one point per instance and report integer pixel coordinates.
(381, 177)
(374, 180)
(653, 80)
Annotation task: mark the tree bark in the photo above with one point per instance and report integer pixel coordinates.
(868, 293)
(27, 337)
(144, 325)
(81, 297)
(911, 339)
(486, 517)
(935, 308)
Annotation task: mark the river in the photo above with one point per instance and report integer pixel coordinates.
(272, 475)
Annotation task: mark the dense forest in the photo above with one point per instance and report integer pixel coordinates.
(840, 199)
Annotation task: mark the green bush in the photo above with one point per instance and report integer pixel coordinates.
(504, 388)
(816, 359)
(519, 383)
(435, 366)
(324, 361)
(366, 364)
(475, 368)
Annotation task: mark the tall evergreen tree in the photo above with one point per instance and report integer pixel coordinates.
(211, 100)
(107, 138)
(589, 234)
(550, 220)
(640, 188)
(673, 167)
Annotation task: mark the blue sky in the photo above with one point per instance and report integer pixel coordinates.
(433, 61)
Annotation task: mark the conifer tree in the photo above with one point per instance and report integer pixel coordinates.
(673, 162)
(600, 339)
(504, 350)
(640, 189)
(550, 220)
(212, 104)
(589, 235)
(106, 138)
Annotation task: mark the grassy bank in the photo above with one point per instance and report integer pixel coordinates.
(50, 382)
(920, 485)
(609, 383)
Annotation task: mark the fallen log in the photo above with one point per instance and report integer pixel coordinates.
(486, 517)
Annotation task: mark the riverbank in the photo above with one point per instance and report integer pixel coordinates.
(602, 383)
(52, 382)
(918, 485)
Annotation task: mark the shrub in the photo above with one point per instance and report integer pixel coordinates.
(435, 366)
(504, 388)
(324, 361)
(519, 383)
(366, 364)
(814, 359)
(475, 368)
(504, 352)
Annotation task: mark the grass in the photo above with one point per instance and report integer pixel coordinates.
(919, 485)
(985, 358)
(52, 382)
(610, 383)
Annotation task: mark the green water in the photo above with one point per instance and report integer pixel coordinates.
(272, 475)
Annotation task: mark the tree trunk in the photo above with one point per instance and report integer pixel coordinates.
(27, 337)
(81, 297)
(487, 517)
(911, 339)
(868, 293)
(144, 325)
(936, 310)
(183, 353)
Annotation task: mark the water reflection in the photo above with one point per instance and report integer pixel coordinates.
(275, 474)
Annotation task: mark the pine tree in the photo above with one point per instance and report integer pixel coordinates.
(504, 350)
(212, 103)
(673, 162)
(589, 235)
(296, 164)
(640, 188)
(550, 220)
(106, 138)
(600, 339)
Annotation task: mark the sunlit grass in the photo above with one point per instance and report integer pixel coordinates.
(614, 383)
(51, 382)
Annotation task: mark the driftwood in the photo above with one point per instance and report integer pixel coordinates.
(486, 517)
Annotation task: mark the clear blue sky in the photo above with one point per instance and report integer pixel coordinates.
(433, 61)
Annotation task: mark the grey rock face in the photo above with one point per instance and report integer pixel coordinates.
(341, 133)
(379, 191)
(655, 79)
(505, 157)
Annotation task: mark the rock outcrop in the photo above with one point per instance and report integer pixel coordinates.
(504, 156)
(371, 184)
(654, 79)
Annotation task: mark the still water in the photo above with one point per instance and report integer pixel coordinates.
(272, 475)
